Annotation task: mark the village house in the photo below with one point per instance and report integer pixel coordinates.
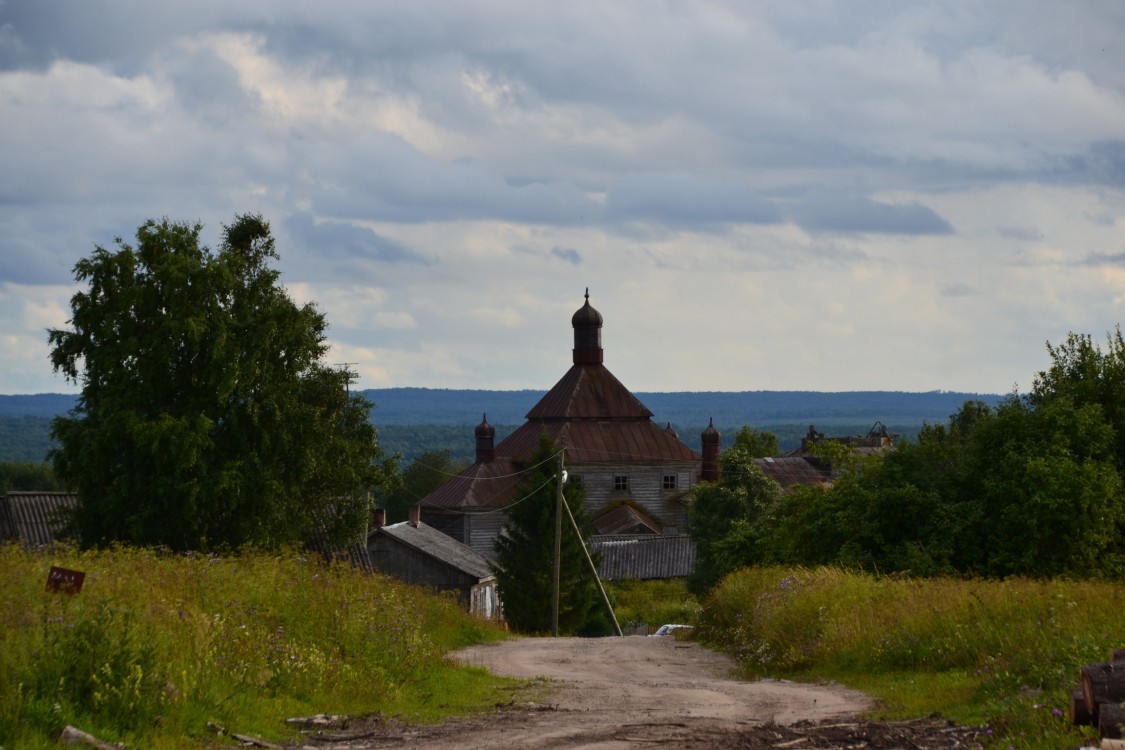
(803, 466)
(637, 475)
(417, 554)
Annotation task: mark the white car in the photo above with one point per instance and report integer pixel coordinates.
(666, 630)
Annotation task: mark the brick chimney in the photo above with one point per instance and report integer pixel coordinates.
(415, 515)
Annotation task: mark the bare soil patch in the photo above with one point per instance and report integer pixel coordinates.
(632, 692)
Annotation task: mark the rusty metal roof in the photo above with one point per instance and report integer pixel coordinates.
(644, 556)
(35, 518)
(791, 470)
(610, 441)
(481, 485)
(589, 391)
(625, 518)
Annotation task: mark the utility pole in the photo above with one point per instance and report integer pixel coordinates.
(348, 376)
(593, 570)
(558, 549)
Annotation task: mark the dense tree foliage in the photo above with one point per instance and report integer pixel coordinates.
(25, 439)
(726, 516)
(1030, 486)
(27, 476)
(206, 416)
(525, 552)
(421, 477)
(756, 443)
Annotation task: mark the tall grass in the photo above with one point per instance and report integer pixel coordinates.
(156, 645)
(1013, 648)
(653, 602)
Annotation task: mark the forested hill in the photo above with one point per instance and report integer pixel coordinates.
(412, 421)
(757, 408)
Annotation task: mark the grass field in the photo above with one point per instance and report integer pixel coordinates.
(157, 645)
(1005, 654)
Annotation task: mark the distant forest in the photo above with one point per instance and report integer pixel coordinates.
(412, 421)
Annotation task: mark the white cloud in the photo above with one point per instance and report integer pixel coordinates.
(817, 194)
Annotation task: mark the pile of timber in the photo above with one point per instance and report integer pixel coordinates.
(1098, 700)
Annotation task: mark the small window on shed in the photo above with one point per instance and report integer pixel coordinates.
(669, 481)
(575, 479)
(620, 482)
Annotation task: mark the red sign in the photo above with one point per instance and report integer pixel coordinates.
(65, 581)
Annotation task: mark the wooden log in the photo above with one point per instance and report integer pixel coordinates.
(1095, 681)
(1108, 744)
(1079, 715)
(1111, 717)
(74, 736)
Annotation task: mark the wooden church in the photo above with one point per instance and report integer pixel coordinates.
(637, 475)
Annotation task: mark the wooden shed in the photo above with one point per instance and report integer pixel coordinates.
(421, 555)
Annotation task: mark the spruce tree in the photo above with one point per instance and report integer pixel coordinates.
(525, 551)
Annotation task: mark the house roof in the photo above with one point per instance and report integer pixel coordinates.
(625, 518)
(354, 550)
(791, 470)
(481, 485)
(439, 546)
(644, 556)
(35, 518)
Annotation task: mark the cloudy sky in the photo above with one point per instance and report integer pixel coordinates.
(807, 194)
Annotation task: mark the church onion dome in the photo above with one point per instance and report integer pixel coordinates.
(485, 434)
(587, 324)
(712, 439)
(587, 316)
(484, 429)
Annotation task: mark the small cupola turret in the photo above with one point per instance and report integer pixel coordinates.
(587, 323)
(486, 436)
(712, 440)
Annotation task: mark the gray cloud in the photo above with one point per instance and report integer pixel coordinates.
(673, 198)
(339, 241)
(569, 254)
(1099, 260)
(830, 211)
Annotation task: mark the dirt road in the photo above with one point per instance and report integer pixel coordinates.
(621, 693)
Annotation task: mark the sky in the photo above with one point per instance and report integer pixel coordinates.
(802, 195)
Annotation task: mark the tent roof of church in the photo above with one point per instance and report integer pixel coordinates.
(589, 391)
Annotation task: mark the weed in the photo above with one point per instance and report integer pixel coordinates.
(156, 645)
(1007, 652)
